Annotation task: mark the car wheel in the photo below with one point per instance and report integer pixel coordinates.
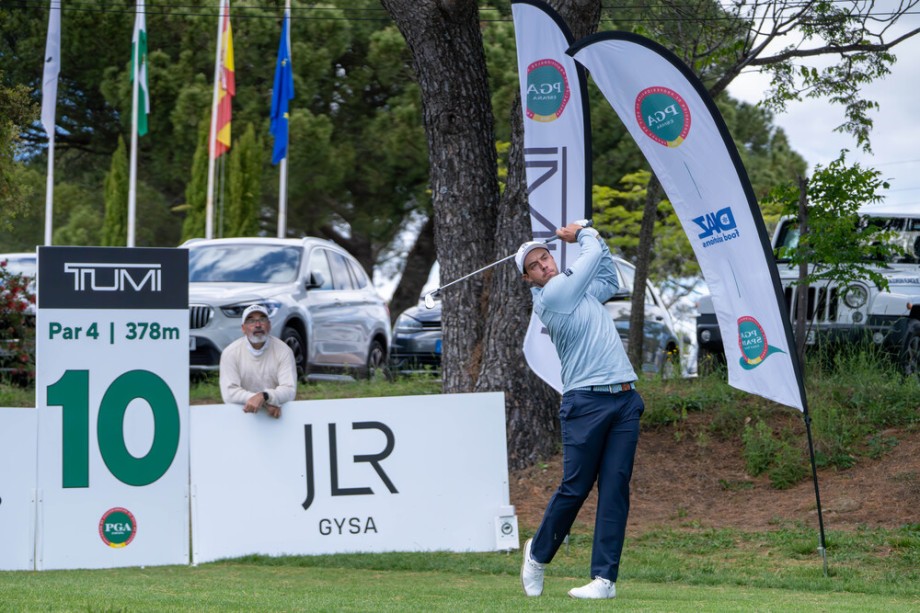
(909, 357)
(293, 339)
(377, 366)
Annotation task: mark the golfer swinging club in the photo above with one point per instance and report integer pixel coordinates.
(600, 408)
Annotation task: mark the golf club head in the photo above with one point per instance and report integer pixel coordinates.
(429, 299)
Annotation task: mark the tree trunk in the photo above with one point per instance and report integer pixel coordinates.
(418, 266)
(643, 260)
(531, 406)
(801, 304)
(449, 61)
(485, 318)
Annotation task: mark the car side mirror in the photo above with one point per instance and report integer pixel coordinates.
(316, 280)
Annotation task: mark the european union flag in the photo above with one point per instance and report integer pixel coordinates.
(282, 93)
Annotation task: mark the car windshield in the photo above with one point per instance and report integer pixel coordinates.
(24, 266)
(903, 232)
(243, 263)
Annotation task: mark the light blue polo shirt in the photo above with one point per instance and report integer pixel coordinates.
(571, 307)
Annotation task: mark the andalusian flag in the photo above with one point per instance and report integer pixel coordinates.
(226, 85)
(139, 55)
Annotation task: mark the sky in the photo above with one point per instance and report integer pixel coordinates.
(810, 124)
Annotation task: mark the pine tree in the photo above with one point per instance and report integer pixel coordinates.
(196, 191)
(245, 185)
(115, 222)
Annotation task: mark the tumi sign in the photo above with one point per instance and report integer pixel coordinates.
(113, 278)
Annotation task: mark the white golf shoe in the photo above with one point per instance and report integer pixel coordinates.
(531, 573)
(598, 589)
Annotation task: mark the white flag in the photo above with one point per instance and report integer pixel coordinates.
(556, 149)
(52, 67)
(677, 126)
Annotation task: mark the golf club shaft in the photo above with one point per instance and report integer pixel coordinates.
(488, 266)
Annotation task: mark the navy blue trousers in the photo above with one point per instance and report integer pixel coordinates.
(600, 432)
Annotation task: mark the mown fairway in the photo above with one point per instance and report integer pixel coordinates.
(667, 570)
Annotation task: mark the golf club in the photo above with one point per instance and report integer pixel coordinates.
(430, 296)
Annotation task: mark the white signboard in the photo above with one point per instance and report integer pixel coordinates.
(112, 388)
(17, 488)
(415, 473)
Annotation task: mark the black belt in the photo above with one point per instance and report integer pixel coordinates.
(612, 388)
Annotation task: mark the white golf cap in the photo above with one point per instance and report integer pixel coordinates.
(254, 308)
(524, 249)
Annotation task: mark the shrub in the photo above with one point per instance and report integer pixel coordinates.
(759, 447)
(788, 466)
(17, 327)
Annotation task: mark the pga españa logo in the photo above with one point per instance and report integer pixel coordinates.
(753, 342)
(663, 115)
(117, 527)
(547, 90)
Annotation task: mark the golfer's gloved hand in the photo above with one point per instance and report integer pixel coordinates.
(584, 223)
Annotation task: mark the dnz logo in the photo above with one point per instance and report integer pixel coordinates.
(101, 277)
(721, 221)
(373, 459)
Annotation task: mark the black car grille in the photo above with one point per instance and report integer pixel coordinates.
(205, 354)
(199, 316)
(823, 304)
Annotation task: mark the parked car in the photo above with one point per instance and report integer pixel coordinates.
(417, 331)
(857, 313)
(320, 302)
(417, 340)
(25, 264)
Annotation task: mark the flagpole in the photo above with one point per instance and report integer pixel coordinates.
(282, 200)
(283, 171)
(212, 144)
(132, 172)
(49, 105)
(49, 190)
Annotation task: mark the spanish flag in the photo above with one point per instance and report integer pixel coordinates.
(226, 81)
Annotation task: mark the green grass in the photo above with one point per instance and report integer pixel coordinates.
(684, 569)
(666, 570)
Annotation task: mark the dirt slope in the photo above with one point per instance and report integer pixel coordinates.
(678, 482)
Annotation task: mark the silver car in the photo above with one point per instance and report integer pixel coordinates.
(660, 347)
(320, 302)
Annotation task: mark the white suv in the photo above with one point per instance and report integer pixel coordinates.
(320, 302)
(859, 312)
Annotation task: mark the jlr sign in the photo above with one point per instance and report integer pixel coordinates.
(365, 474)
(373, 459)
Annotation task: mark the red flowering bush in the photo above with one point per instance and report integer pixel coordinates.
(17, 327)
